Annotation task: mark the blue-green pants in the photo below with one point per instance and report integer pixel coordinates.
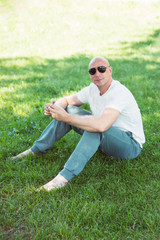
(113, 142)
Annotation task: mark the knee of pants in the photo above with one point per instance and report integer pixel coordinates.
(85, 149)
(91, 140)
(77, 110)
(118, 144)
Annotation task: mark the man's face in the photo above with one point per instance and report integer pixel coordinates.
(101, 79)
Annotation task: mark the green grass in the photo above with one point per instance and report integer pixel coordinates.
(45, 48)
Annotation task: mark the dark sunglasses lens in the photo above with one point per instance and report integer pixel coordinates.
(92, 71)
(101, 69)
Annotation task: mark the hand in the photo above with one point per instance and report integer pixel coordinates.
(58, 113)
(46, 109)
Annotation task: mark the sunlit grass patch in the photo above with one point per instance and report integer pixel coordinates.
(45, 50)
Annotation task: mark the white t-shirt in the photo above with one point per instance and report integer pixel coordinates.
(119, 98)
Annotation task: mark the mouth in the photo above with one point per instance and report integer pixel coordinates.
(98, 80)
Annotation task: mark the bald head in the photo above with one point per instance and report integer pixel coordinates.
(98, 59)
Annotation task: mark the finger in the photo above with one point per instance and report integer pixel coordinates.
(55, 107)
(47, 113)
(46, 109)
(52, 111)
(53, 115)
(51, 106)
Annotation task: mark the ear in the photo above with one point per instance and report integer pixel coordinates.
(110, 70)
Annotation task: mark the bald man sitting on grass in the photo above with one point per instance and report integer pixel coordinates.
(114, 125)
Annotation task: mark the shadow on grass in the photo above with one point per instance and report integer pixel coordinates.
(146, 46)
(155, 37)
(31, 82)
(116, 192)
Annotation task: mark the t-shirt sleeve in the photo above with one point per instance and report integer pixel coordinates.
(122, 101)
(83, 95)
(119, 104)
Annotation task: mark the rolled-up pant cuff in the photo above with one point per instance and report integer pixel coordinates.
(35, 149)
(67, 174)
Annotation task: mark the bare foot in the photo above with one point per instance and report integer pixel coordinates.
(57, 182)
(24, 154)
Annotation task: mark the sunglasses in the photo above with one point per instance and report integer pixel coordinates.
(101, 69)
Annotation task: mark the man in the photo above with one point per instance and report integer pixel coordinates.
(115, 125)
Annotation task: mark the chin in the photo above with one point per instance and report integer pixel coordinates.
(99, 84)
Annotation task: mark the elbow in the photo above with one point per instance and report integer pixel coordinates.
(102, 129)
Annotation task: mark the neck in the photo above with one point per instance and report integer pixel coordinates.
(104, 89)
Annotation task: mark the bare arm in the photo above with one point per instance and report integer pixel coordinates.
(70, 100)
(63, 102)
(89, 123)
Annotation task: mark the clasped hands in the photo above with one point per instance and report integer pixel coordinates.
(57, 112)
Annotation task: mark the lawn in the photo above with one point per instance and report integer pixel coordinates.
(45, 48)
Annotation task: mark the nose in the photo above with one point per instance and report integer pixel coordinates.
(97, 73)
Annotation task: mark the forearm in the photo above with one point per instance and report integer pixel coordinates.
(62, 102)
(69, 100)
(87, 123)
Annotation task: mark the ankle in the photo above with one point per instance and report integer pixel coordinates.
(31, 151)
(59, 178)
